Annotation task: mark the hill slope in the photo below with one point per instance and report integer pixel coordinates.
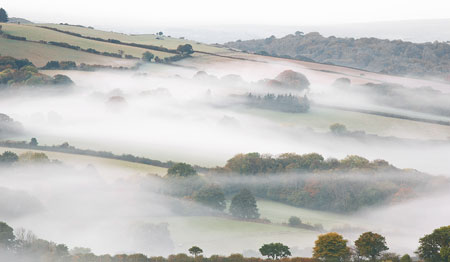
(375, 55)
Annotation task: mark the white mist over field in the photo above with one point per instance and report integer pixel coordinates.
(171, 113)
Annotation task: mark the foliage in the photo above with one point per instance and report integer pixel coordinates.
(3, 16)
(195, 250)
(147, 56)
(211, 196)
(15, 72)
(435, 246)
(294, 221)
(371, 245)
(338, 129)
(6, 235)
(284, 103)
(391, 57)
(405, 258)
(331, 247)
(8, 157)
(185, 49)
(181, 170)
(33, 157)
(275, 250)
(243, 205)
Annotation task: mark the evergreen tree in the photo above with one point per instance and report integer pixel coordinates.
(243, 205)
(3, 16)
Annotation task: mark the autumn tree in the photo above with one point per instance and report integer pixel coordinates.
(243, 205)
(275, 250)
(435, 247)
(371, 245)
(331, 247)
(195, 251)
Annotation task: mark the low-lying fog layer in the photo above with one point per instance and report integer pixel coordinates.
(165, 114)
(75, 205)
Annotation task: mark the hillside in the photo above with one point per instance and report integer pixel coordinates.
(371, 54)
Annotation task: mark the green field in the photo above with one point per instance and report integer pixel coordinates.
(102, 164)
(40, 54)
(149, 39)
(35, 33)
(320, 120)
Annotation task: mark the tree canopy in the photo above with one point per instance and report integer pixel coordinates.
(195, 251)
(371, 245)
(185, 49)
(275, 250)
(211, 196)
(181, 170)
(435, 247)
(331, 247)
(3, 16)
(243, 205)
(147, 56)
(6, 235)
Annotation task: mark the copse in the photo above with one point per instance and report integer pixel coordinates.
(185, 49)
(8, 157)
(3, 16)
(211, 196)
(181, 170)
(147, 56)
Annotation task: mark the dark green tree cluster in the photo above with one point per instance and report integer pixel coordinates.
(284, 102)
(185, 49)
(211, 196)
(181, 170)
(3, 16)
(8, 158)
(275, 251)
(147, 56)
(435, 247)
(243, 205)
(21, 72)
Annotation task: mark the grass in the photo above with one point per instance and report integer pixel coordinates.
(321, 118)
(35, 33)
(98, 162)
(40, 54)
(150, 39)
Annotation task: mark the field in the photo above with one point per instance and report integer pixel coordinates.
(35, 33)
(150, 39)
(104, 165)
(40, 54)
(320, 120)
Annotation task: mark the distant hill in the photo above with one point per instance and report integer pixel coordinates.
(376, 55)
(18, 20)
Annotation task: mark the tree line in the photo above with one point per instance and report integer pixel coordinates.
(22, 245)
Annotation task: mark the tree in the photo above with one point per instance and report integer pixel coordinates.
(211, 196)
(195, 251)
(331, 247)
(185, 49)
(243, 205)
(181, 170)
(147, 56)
(406, 258)
(8, 157)
(435, 247)
(338, 129)
(3, 16)
(6, 235)
(33, 142)
(295, 221)
(371, 245)
(275, 250)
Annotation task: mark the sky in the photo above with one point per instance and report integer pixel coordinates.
(106, 13)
